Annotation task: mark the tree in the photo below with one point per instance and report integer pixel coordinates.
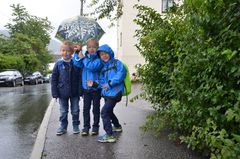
(110, 9)
(28, 41)
(32, 26)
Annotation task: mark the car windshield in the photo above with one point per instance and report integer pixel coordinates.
(7, 73)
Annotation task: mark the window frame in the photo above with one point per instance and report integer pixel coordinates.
(166, 4)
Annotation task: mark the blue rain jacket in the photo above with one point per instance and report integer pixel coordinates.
(91, 66)
(111, 76)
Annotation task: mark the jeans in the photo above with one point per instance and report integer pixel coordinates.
(74, 106)
(89, 98)
(108, 116)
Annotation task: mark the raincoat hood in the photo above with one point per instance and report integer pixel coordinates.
(106, 49)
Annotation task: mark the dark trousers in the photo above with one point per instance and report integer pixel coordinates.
(89, 98)
(108, 116)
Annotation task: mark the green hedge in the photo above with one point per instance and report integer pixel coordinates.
(192, 71)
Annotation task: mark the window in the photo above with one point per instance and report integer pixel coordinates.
(166, 4)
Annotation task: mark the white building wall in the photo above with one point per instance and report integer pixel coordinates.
(126, 51)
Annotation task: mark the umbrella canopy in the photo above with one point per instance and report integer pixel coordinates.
(79, 29)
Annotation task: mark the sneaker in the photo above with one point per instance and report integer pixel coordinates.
(94, 133)
(76, 130)
(61, 131)
(117, 129)
(84, 132)
(106, 138)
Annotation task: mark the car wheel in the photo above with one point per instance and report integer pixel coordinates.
(14, 83)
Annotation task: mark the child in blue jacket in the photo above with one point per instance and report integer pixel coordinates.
(66, 86)
(111, 81)
(91, 65)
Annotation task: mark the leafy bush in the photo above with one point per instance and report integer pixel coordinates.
(192, 71)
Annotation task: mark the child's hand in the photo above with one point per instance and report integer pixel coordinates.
(89, 83)
(80, 54)
(104, 87)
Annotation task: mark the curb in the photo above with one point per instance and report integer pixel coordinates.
(41, 136)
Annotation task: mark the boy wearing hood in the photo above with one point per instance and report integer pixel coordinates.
(112, 84)
(91, 65)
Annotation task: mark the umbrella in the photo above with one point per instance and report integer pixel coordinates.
(79, 29)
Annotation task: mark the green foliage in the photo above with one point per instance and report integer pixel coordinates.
(29, 25)
(110, 9)
(11, 62)
(28, 42)
(192, 71)
(158, 41)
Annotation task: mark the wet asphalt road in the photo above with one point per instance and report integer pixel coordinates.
(21, 112)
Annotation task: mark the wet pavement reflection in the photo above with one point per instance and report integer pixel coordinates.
(21, 112)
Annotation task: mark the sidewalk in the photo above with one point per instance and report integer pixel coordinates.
(131, 144)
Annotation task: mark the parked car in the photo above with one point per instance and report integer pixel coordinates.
(34, 78)
(47, 78)
(11, 77)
